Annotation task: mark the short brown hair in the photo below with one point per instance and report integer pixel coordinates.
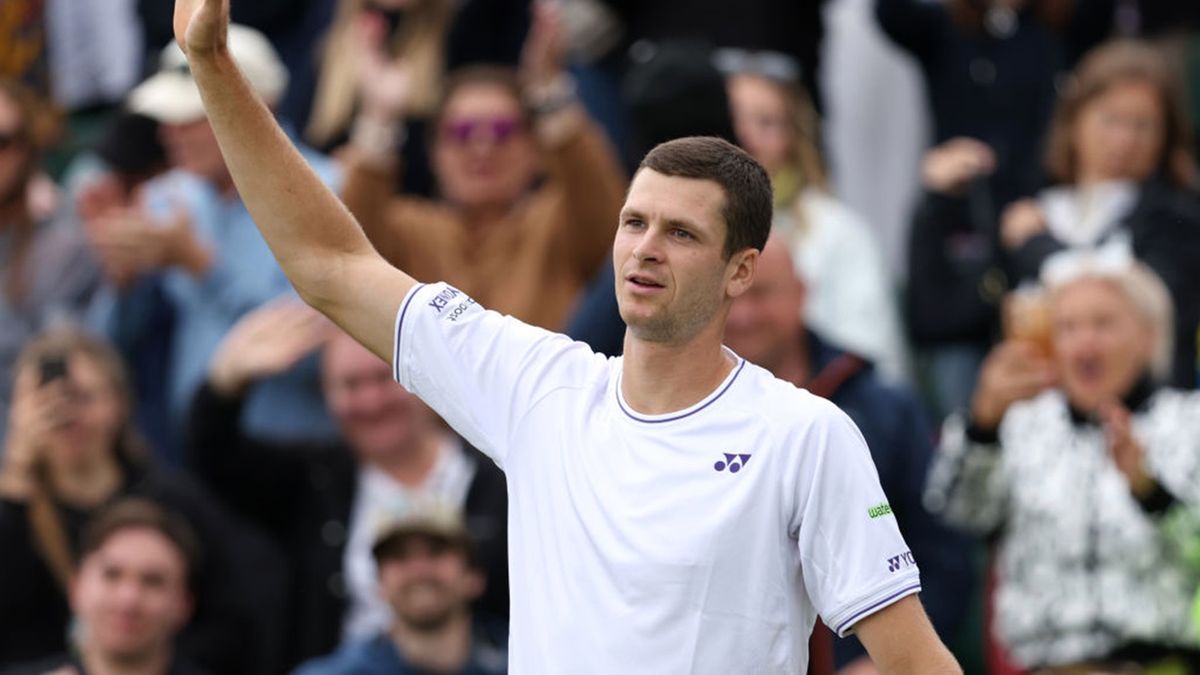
(138, 513)
(1107, 65)
(748, 200)
(501, 77)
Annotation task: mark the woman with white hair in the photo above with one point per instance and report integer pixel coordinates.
(1079, 466)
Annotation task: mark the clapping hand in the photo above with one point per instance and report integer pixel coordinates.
(266, 342)
(129, 244)
(948, 168)
(1126, 451)
(384, 83)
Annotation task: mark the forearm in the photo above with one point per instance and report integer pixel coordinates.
(305, 225)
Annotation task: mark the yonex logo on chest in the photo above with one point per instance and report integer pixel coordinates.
(732, 461)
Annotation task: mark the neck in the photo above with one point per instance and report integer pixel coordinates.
(444, 649)
(483, 216)
(791, 361)
(411, 464)
(155, 662)
(658, 378)
(88, 484)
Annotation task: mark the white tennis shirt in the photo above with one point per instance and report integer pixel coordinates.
(702, 541)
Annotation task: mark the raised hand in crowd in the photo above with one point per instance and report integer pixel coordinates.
(266, 342)
(37, 410)
(1021, 221)
(544, 55)
(384, 83)
(1013, 371)
(129, 243)
(1127, 452)
(949, 167)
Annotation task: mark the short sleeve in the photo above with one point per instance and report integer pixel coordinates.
(480, 370)
(854, 560)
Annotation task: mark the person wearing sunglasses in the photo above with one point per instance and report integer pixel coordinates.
(47, 275)
(530, 190)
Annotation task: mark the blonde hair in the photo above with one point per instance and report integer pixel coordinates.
(1143, 288)
(420, 42)
(45, 522)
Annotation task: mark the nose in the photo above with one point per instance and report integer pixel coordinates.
(649, 246)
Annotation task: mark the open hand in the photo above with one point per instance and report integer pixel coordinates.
(1020, 222)
(1013, 371)
(543, 57)
(384, 83)
(1127, 453)
(948, 168)
(201, 26)
(266, 342)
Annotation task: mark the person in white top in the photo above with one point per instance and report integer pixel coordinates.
(674, 511)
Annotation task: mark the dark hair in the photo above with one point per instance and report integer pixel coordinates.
(137, 513)
(1113, 63)
(749, 204)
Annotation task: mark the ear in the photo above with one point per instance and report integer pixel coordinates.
(474, 584)
(740, 272)
(187, 605)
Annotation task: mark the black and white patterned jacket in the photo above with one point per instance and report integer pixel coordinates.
(1083, 567)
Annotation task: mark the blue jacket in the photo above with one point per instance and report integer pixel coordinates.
(379, 656)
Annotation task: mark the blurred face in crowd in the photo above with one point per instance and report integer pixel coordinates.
(131, 595)
(427, 581)
(484, 156)
(14, 151)
(377, 416)
(1120, 133)
(668, 257)
(764, 322)
(192, 146)
(95, 416)
(1102, 344)
(761, 120)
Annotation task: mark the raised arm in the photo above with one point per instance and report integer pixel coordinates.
(316, 241)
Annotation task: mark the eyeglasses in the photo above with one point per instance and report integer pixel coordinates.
(497, 130)
(771, 65)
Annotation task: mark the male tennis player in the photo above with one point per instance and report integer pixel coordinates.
(674, 511)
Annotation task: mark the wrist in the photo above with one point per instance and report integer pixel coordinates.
(377, 138)
(226, 384)
(551, 95)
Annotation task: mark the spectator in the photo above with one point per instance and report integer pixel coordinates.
(765, 327)
(70, 451)
(400, 31)
(47, 276)
(132, 595)
(428, 577)
(523, 246)
(319, 501)
(990, 70)
(1120, 156)
(194, 247)
(851, 298)
(1076, 463)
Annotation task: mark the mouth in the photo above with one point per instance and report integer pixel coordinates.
(643, 282)
(1089, 370)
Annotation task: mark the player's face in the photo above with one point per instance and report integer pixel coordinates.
(764, 322)
(377, 416)
(484, 155)
(427, 581)
(1100, 342)
(672, 278)
(131, 595)
(1119, 135)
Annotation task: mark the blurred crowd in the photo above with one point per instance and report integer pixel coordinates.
(986, 250)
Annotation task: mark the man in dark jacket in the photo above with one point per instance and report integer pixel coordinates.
(321, 504)
(765, 327)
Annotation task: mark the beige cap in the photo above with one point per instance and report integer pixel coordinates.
(430, 519)
(171, 96)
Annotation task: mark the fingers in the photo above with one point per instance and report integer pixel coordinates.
(950, 166)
